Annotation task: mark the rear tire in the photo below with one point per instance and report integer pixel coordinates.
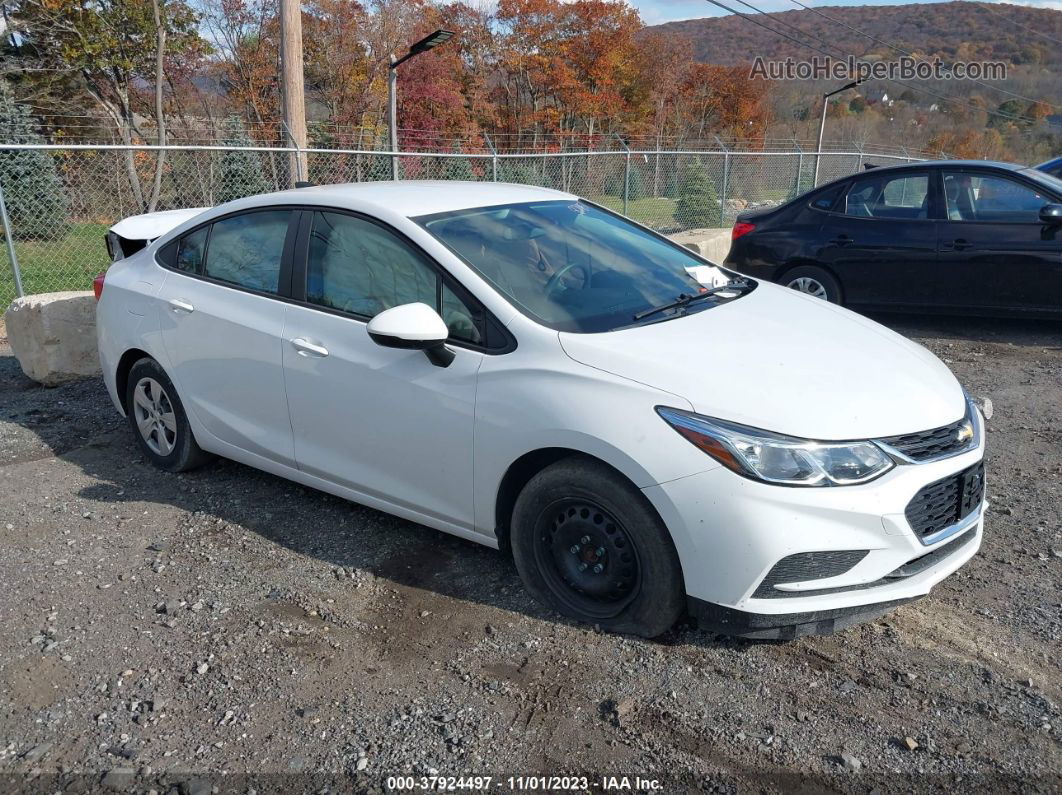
(157, 417)
(814, 281)
(588, 544)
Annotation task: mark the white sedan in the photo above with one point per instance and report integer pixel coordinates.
(524, 369)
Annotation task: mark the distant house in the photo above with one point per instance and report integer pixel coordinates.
(877, 96)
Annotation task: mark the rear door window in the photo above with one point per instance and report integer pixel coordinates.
(902, 196)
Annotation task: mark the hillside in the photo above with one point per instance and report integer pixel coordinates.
(954, 31)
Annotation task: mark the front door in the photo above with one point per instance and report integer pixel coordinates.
(222, 327)
(384, 422)
(882, 240)
(995, 252)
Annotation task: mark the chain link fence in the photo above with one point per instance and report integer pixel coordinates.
(59, 201)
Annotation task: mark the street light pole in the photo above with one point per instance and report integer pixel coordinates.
(392, 116)
(822, 124)
(425, 44)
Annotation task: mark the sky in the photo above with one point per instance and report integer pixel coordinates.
(653, 12)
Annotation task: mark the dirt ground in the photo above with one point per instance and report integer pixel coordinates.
(226, 630)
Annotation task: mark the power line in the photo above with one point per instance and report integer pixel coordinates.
(912, 55)
(913, 87)
(987, 7)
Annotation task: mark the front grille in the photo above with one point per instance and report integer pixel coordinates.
(947, 501)
(806, 566)
(937, 443)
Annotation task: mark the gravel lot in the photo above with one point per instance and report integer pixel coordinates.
(226, 629)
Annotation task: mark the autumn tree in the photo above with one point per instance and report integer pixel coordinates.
(112, 45)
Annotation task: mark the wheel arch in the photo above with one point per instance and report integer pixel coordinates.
(793, 264)
(520, 472)
(121, 376)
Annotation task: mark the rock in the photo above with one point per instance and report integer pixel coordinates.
(363, 763)
(202, 668)
(53, 336)
(119, 779)
(910, 743)
(195, 786)
(986, 407)
(850, 762)
(37, 752)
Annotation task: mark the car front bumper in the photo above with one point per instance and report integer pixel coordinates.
(857, 554)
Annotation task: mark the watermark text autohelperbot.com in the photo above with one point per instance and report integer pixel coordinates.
(851, 68)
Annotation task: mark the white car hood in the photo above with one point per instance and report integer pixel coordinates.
(150, 226)
(781, 361)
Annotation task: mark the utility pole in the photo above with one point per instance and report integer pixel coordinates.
(292, 88)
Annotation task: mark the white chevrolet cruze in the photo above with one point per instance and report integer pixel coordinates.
(516, 366)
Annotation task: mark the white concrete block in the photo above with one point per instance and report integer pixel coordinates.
(712, 244)
(53, 336)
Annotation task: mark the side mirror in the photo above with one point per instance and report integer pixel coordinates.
(415, 327)
(1051, 214)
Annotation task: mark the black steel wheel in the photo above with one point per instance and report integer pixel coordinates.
(587, 558)
(589, 544)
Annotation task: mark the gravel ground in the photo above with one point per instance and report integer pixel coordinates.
(226, 629)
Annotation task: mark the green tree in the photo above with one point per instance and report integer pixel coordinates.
(33, 192)
(240, 172)
(457, 168)
(698, 204)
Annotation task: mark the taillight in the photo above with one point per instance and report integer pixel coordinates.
(741, 228)
(97, 285)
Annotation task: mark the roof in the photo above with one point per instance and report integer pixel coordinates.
(413, 198)
(152, 225)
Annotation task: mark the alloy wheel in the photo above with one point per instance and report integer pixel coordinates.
(806, 284)
(154, 415)
(587, 558)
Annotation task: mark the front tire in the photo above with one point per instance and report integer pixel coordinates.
(814, 281)
(588, 544)
(157, 417)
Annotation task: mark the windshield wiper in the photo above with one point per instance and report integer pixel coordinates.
(739, 285)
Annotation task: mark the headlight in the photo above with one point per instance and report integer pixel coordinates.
(774, 458)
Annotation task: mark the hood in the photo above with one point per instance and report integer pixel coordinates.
(784, 362)
(152, 225)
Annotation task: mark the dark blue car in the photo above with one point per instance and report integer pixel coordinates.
(1052, 167)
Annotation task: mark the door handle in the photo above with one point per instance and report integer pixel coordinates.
(306, 348)
(959, 244)
(842, 240)
(180, 305)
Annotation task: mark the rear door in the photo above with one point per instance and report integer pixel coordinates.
(995, 253)
(881, 239)
(222, 326)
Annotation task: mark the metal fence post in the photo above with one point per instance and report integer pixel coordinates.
(10, 238)
(493, 156)
(626, 173)
(726, 179)
(859, 162)
(800, 168)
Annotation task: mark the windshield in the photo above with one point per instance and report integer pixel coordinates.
(1051, 181)
(569, 265)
